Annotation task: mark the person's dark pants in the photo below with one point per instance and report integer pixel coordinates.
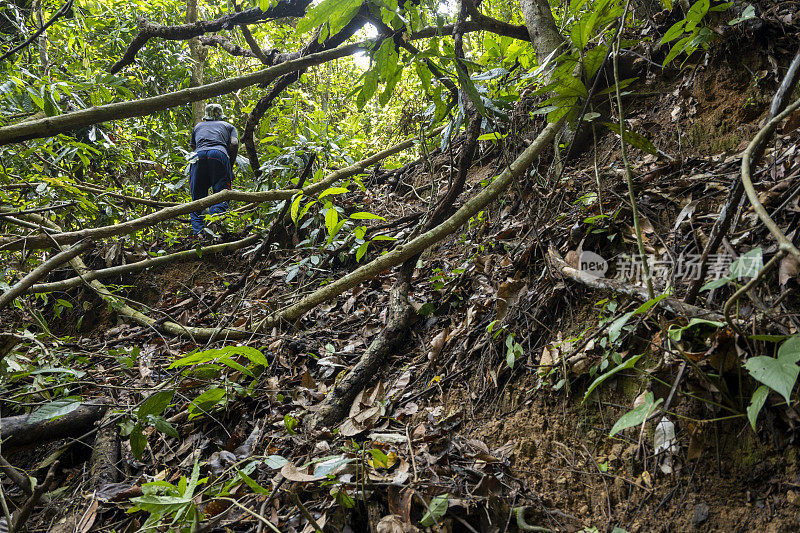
(212, 170)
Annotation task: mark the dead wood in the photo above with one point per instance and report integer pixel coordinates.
(18, 478)
(336, 404)
(19, 431)
(105, 454)
(40, 490)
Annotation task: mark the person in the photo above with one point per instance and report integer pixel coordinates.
(216, 144)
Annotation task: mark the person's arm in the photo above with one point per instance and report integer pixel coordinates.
(192, 142)
(233, 146)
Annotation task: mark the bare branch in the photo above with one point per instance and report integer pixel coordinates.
(182, 32)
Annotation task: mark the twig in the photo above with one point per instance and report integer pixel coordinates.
(33, 501)
(628, 172)
(411, 453)
(58, 14)
(726, 310)
(305, 512)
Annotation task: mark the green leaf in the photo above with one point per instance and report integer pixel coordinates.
(677, 48)
(337, 13)
(593, 59)
(600, 379)
(696, 14)
(331, 220)
(748, 13)
(258, 489)
(494, 136)
(469, 87)
(615, 329)
(165, 427)
(362, 249)
(294, 210)
(723, 7)
(206, 402)
(716, 284)
(155, 404)
(790, 350)
(779, 374)
(275, 461)
(569, 85)
(333, 190)
(330, 464)
(675, 31)
(578, 34)
(634, 139)
(290, 422)
(748, 265)
(365, 215)
(221, 354)
(676, 333)
(637, 415)
(138, 442)
(437, 509)
(55, 409)
(756, 404)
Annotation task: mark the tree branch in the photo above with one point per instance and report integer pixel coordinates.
(182, 32)
(58, 14)
(50, 126)
(41, 271)
(46, 241)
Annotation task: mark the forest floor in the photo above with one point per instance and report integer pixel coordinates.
(484, 402)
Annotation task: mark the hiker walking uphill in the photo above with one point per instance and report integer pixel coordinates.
(216, 143)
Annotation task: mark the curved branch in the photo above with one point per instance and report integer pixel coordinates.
(150, 262)
(48, 127)
(755, 146)
(182, 32)
(41, 271)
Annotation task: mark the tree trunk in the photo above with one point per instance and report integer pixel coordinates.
(541, 27)
(42, 40)
(198, 53)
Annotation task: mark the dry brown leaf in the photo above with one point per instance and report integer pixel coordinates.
(789, 269)
(394, 524)
(292, 473)
(437, 344)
